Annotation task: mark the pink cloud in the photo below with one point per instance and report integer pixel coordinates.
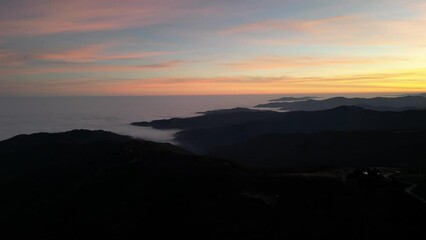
(10, 58)
(343, 30)
(45, 17)
(97, 52)
(286, 25)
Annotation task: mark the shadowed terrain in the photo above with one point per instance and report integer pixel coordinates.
(238, 125)
(404, 149)
(99, 185)
(85, 184)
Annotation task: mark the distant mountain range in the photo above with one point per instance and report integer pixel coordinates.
(238, 125)
(379, 103)
(290, 99)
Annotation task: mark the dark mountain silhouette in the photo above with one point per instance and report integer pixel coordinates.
(386, 108)
(27, 154)
(403, 149)
(207, 131)
(232, 110)
(90, 184)
(378, 103)
(210, 119)
(99, 185)
(290, 99)
(416, 95)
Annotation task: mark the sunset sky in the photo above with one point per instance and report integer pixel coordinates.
(195, 47)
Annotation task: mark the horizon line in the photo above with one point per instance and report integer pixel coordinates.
(219, 94)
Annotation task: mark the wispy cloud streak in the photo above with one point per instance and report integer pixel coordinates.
(46, 17)
(343, 30)
(86, 68)
(271, 63)
(98, 52)
(379, 82)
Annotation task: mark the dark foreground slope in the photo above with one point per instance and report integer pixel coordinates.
(98, 185)
(90, 184)
(232, 127)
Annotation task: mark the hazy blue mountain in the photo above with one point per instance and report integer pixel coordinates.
(378, 103)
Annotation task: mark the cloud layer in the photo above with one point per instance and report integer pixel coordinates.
(205, 47)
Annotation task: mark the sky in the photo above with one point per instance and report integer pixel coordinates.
(197, 47)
